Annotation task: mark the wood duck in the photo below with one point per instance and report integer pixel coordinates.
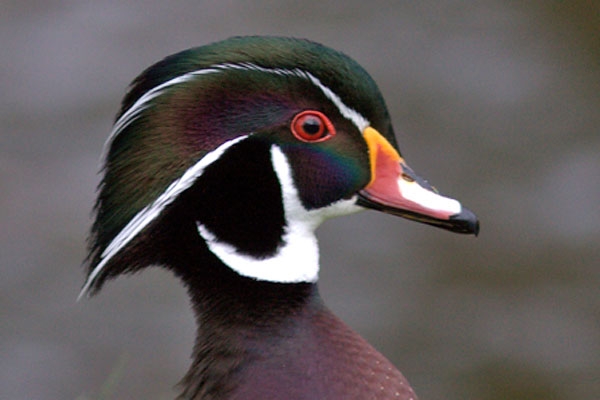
(222, 162)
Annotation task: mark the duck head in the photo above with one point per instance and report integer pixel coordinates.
(238, 150)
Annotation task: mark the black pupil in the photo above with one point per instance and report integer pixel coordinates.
(311, 126)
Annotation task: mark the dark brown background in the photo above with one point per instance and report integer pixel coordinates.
(496, 103)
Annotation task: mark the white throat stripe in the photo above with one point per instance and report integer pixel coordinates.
(297, 258)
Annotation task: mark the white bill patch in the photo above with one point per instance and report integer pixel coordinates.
(415, 193)
(297, 259)
(149, 213)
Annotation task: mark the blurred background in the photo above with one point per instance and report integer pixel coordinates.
(495, 102)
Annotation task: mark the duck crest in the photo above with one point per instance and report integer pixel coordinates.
(222, 162)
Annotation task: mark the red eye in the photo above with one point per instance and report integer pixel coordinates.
(312, 126)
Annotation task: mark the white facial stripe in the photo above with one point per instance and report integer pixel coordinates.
(149, 213)
(144, 101)
(415, 193)
(297, 259)
(349, 113)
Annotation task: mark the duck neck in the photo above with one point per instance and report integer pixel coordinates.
(240, 320)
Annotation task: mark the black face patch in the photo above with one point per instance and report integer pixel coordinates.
(238, 199)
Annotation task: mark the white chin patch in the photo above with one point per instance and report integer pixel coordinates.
(297, 258)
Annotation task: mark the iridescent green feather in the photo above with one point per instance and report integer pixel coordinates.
(188, 119)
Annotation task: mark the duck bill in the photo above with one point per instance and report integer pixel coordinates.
(396, 189)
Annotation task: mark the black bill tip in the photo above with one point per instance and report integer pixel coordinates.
(465, 222)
